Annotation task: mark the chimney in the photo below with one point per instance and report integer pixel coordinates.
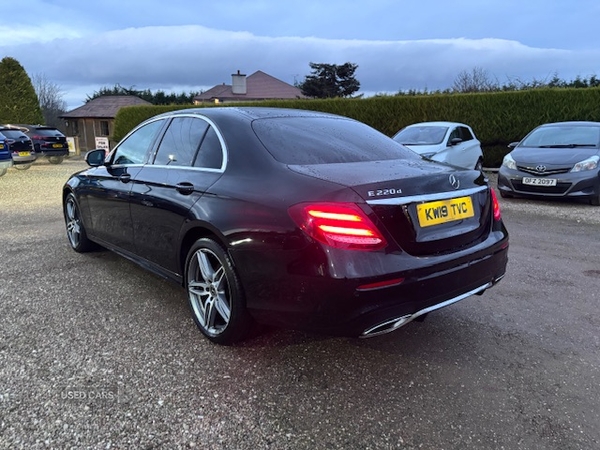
(238, 83)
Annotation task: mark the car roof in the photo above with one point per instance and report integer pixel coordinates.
(439, 123)
(252, 112)
(574, 123)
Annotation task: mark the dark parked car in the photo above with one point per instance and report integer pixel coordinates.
(290, 218)
(555, 160)
(48, 142)
(19, 146)
(5, 157)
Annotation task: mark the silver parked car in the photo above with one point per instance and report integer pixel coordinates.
(449, 142)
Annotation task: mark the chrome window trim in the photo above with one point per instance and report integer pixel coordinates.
(427, 197)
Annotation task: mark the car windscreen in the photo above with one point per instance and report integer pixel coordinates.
(563, 136)
(324, 140)
(421, 135)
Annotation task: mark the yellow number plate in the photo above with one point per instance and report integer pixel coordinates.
(57, 146)
(1, 146)
(434, 213)
(24, 154)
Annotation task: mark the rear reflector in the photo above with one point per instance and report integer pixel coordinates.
(380, 284)
(340, 225)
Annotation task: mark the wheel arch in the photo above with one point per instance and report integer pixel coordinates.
(188, 240)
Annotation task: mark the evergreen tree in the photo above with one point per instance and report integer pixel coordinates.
(330, 80)
(18, 101)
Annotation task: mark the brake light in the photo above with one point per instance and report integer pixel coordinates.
(339, 225)
(40, 138)
(495, 205)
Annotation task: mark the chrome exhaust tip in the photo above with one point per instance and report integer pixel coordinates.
(393, 324)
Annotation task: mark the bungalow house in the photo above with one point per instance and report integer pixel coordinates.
(255, 87)
(92, 124)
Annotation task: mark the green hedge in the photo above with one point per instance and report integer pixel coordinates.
(497, 118)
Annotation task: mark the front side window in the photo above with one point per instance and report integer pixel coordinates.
(453, 135)
(181, 141)
(134, 148)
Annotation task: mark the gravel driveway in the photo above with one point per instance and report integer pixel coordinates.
(96, 353)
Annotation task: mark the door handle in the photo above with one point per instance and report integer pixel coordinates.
(185, 188)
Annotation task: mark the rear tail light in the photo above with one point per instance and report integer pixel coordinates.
(495, 205)
(339, 225)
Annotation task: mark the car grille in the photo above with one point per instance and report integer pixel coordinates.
(546, 171)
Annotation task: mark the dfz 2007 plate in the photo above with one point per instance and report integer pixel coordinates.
(434, 213)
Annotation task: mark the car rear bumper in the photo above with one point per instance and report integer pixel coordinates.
(344, 307)
(24, 159)
(53, 152)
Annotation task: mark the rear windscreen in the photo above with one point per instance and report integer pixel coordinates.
(13, 134)
(50, 132)
(325, 140)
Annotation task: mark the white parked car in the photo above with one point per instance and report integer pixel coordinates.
(449, 142)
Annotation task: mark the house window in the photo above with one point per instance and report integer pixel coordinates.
(75, 127)
(104, 128)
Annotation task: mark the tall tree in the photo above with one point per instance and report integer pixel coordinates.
(18, 100)
(330, 80)
(51, 101)
(478, 80)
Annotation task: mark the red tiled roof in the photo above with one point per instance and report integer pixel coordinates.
(104, 107)
(259, 86)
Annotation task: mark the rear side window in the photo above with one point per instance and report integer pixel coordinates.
(322, 140)
(210, 155)
(181, 141)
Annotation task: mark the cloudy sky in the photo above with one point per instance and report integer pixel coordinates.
(192, 45)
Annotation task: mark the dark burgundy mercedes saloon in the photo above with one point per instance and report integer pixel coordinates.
(290, 218)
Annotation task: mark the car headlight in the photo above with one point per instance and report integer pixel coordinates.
(586, 164)
(509, 162)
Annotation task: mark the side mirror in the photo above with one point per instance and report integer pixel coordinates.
(455, 141)
(96, 157)
(513, 144)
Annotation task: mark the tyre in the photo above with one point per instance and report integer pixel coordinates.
(215, 295)
(75, 229)
(22, 166)
(505, 195)
(595, 201)
(56, 159)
